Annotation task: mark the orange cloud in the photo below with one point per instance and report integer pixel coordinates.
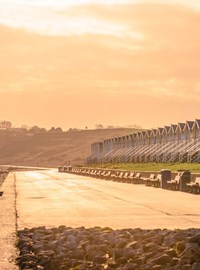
(134, 77)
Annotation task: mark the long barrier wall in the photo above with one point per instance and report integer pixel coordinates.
(175, 143)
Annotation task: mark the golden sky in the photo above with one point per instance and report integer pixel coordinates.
(77, 63)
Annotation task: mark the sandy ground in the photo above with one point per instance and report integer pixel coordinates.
(8, 251)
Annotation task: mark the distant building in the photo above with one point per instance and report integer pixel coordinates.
(175, 143)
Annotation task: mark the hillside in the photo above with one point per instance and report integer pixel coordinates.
(52, 149)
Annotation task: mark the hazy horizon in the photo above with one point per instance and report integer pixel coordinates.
(80, 63)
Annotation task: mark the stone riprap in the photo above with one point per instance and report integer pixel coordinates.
(66, 248)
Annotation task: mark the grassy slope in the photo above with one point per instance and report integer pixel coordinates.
(52, 149)
(153, 166)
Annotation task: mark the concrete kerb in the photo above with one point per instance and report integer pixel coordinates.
(8, 225)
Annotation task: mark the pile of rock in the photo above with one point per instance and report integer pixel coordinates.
(98, 248)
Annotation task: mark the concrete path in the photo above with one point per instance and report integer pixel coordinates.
(8, 240)
(52, 199)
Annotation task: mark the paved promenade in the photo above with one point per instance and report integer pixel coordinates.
(52, 199)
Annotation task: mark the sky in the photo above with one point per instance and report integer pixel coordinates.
(78, 63)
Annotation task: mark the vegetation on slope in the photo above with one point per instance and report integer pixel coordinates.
(150, 167)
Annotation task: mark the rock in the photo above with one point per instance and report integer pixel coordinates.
(157, 267)
(194, 239)
(48, 253)
(132, 244)
(175, 261)
(103, 248)
(111, 265)
(128, 253)
(37, 247)
(150, 255)
(163, 259)
(193, 246)
(171, 252)
(186, 267)
(84, 243)
(169, 241)
(180, 236)
(183, 261)
(139, 260)
(121, 260)
(196, 266)
(180, 246)
(100, 259)
(121, 243)
(130, 266)
(39, 267)
(191, 252)
(150, 246)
